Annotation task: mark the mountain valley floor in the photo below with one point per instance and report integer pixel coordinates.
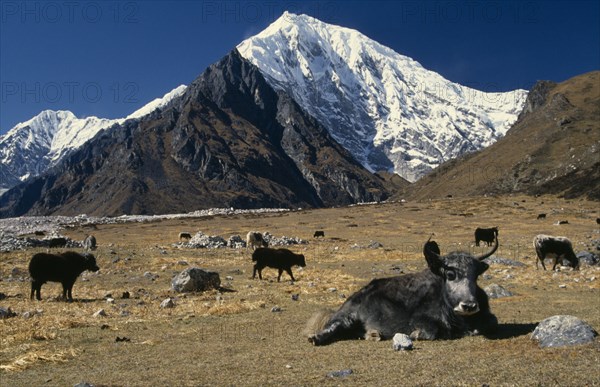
(237, 337)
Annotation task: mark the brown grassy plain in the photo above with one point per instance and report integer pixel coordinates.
(233, 338)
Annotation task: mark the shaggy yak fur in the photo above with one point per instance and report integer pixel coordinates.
(441, 302)
(255, 239)
(556, 247)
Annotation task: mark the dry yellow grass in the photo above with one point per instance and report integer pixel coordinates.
(30, 358)
(233, 338)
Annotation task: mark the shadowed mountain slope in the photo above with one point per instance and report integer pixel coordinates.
(229, 141)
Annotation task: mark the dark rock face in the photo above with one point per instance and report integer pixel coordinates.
(537, 96)
(229, 141)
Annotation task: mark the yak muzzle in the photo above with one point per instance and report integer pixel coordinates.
(466, 308)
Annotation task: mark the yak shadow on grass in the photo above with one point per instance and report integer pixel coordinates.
(85, 300)
(509, 331)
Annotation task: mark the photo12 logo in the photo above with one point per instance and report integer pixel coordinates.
(68, 92)
(456, 12)
(69, 12)
(255, 11)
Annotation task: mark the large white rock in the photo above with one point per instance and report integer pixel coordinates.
(564, 330)
(195, 279)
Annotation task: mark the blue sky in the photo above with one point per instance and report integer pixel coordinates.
(108, 58)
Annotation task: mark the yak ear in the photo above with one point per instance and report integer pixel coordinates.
(482, 267)
(431, 251)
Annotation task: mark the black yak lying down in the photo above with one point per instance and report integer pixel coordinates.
(441, 302)
(63, 268)
(281, 259)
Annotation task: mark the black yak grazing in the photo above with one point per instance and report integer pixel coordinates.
(281, 259)
(63, 268)
(547, 246)
(319, 233)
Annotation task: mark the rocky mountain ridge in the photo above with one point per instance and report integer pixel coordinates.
(229, 141)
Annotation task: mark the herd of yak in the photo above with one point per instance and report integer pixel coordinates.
(441, 302)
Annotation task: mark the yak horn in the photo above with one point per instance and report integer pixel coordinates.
(484, 256)
(431, 247)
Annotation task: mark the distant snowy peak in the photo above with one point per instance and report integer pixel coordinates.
(30, 147)
(385, 108)
(158, 102)
(61, 129)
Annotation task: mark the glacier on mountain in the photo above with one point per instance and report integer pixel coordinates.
(385, 108)
(33, 146)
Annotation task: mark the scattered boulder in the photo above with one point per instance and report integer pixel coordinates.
(6, 313)
(497, 291)
(236, 242)
(402, 342)
(371, 245)
(340, 373)
(100, 313)
(504, 261)
(18, 273)
(374, 245)
(10, 242)
(283, 241)
(203, 241)
(563, 330)
(588, 258)
(28, 314)
(195, 279)
(167, 303)
(275, 309)
(150, 276)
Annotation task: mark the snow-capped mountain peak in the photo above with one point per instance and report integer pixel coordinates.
(30, 147)
(158, 102)
(385, 108)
